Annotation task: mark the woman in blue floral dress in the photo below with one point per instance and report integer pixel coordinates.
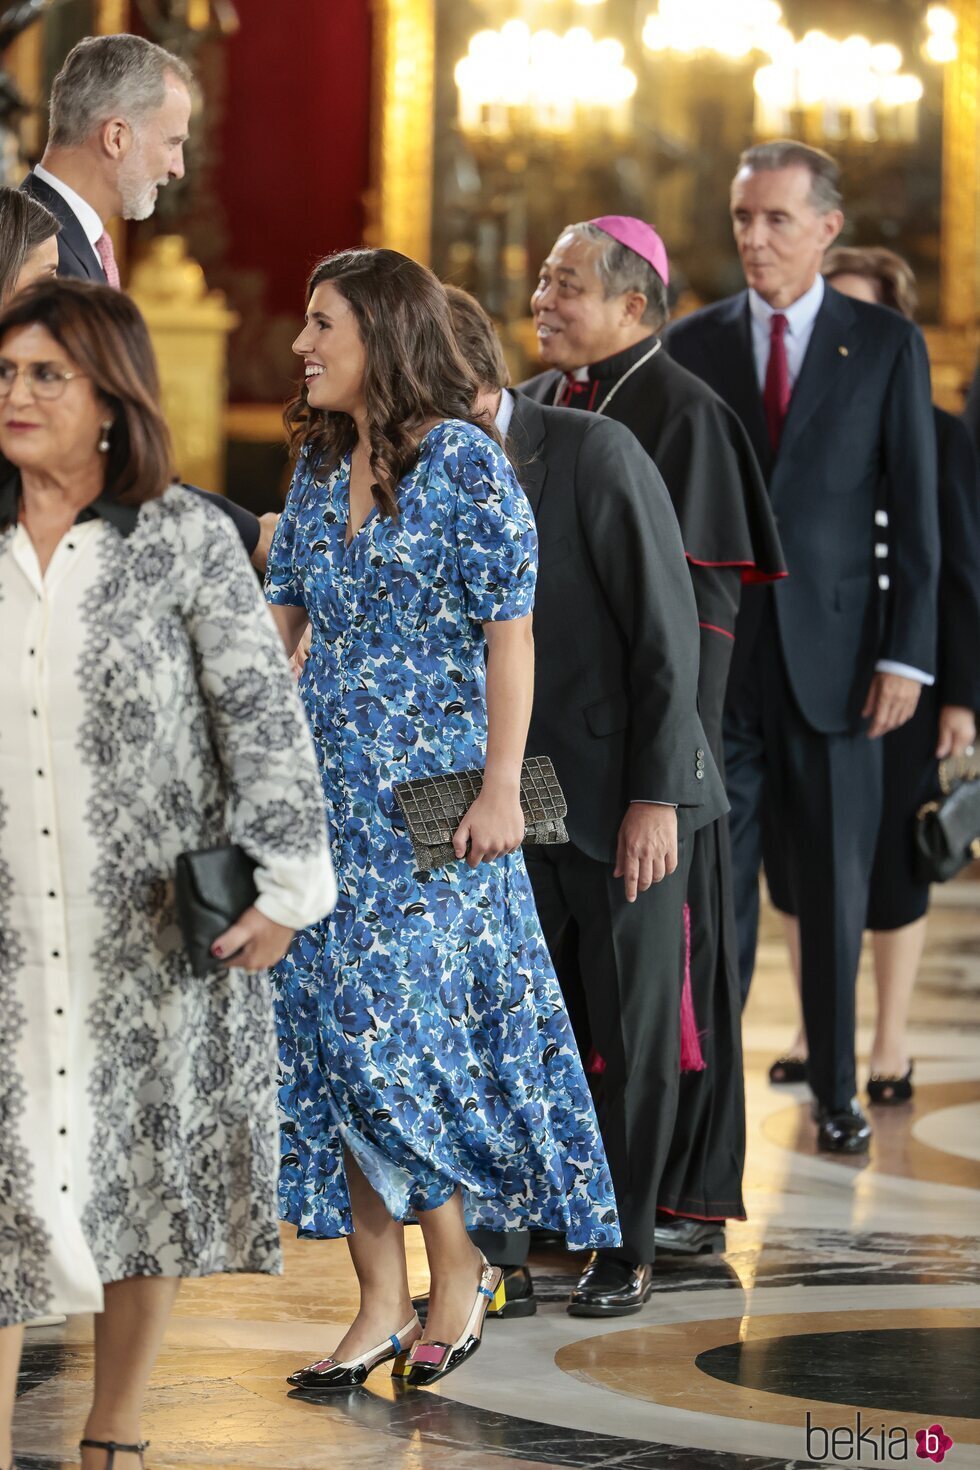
(428, 1066)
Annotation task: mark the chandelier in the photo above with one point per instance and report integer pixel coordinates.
(828, 89)
(843, 89)
(732, 29)
(517, 80)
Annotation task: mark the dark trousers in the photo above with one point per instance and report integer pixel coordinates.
(824, 795)
(630, 960)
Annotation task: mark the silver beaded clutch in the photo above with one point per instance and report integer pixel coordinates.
(434, 806)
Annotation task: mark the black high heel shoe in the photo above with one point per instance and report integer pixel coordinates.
(430, 1361)
(113, 1449)
(329, 1376)
(886, 1091)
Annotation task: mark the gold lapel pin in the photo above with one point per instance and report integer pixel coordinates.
(842, 351)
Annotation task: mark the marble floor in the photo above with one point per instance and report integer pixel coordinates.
(842, 1321)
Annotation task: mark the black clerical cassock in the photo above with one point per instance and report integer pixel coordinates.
(704, 455)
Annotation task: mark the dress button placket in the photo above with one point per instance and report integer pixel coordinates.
(53, 913)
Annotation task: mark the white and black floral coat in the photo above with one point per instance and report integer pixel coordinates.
(147, 708)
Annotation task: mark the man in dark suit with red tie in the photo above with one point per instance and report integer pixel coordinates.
(835, 396)
(120, 109)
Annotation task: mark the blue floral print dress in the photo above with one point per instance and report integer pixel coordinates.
(421, 1025)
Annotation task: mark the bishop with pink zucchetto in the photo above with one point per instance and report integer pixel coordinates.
(599, 307)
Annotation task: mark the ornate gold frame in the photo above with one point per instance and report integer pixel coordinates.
(400, 200)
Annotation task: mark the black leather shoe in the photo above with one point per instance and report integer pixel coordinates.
(514, 1297)
(842, 1131)
(609, 1287)
(683, 1237)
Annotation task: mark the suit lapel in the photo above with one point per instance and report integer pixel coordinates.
(72, 239)
(828, 357)
(741, 387)
(525, 438)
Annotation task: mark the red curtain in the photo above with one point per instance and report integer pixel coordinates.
(294, 138)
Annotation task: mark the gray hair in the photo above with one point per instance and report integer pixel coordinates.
(824, 171)
(109, 76)
(621, 270)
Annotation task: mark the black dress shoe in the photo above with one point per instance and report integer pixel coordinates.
(842, 1130)
(787, 1069)
(887, 1091)
(683, 1237)
(609, 1287)
(514, 1297)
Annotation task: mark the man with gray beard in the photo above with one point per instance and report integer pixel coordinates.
(120, 109)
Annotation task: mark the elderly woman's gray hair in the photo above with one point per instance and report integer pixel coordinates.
(621, 269)
(109, 76)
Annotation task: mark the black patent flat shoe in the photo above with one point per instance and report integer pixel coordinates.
(787, 1069)
(430, 1361)
(686, 1237)
(331, 1376)
(514, 1297)
(844, 1131)
(609, 1287)
(112, 1449)
(885, 1092)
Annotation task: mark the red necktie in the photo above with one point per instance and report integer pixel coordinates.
(775, 396)
(105, 252)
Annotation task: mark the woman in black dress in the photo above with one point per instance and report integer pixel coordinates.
(944, 723)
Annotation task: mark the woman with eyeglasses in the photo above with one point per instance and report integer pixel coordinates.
(147, 711)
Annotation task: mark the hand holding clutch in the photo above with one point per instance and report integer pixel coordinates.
(493, 825)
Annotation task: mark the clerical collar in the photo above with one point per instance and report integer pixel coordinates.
(594, 390)
(620, 362)
(122, 517)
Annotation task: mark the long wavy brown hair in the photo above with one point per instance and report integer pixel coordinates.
(414, 371)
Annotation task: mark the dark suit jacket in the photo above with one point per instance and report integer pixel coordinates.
(615, 628)
(76, 256)
(858, 438)
(958, 674)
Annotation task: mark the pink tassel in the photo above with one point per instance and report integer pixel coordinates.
(692, 1059)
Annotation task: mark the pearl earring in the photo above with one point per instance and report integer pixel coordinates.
(104, 441)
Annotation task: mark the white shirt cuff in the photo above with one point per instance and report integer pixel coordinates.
(889, 666)
(648, 801)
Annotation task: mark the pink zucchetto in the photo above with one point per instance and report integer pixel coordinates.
(637, 235)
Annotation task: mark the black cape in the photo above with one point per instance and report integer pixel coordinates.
(701, 449)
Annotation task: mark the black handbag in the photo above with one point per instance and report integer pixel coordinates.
(947, 832)
(213, 887)
(434, 806)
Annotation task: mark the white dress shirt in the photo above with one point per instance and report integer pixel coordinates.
(800, 319)
(83, 211)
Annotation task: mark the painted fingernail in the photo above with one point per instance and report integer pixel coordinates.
(217, 951)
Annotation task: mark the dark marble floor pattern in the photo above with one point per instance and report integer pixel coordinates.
(908, 1370)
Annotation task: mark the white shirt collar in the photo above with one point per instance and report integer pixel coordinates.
(87, 217)
(800, 316)
(504, 413)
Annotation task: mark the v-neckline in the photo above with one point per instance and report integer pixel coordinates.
(347, 465)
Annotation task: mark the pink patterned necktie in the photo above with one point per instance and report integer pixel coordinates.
(105, 252)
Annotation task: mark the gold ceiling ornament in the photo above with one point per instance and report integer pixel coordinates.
(519, 81)
(399, 203)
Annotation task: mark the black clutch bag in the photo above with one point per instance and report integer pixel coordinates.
(213, 888)
(947, 832)
(434, 806)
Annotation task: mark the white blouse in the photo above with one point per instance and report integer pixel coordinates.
(147, 709)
